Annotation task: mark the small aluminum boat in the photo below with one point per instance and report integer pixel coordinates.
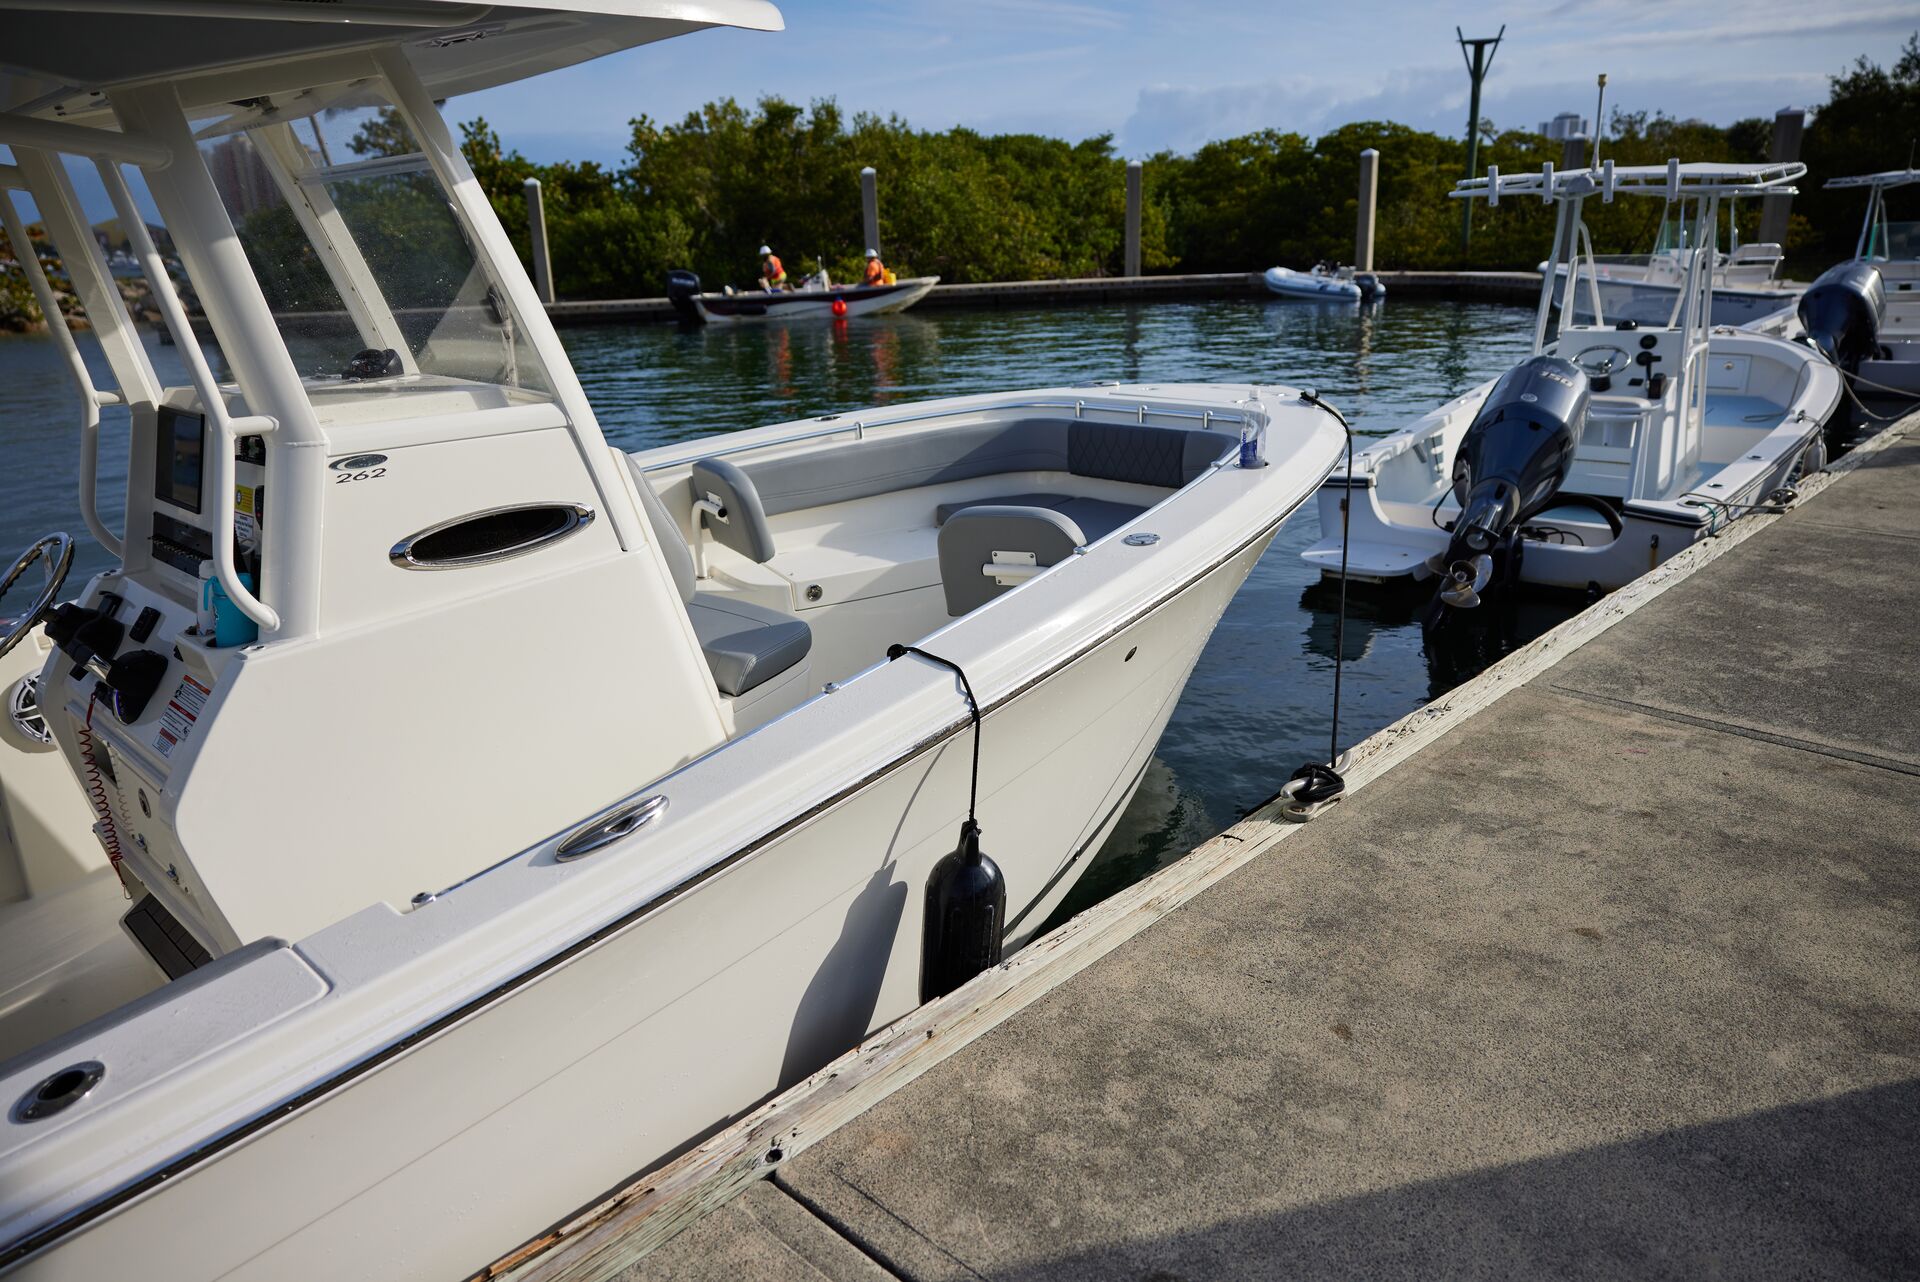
(830, 302)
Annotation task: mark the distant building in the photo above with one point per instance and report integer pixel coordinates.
(1565, 125)
(245, 183)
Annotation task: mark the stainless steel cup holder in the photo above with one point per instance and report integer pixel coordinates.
(66, 1087)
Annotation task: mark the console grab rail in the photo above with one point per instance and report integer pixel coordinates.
(227, 429)
(91, 397)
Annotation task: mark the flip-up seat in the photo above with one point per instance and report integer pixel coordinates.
(745, 645)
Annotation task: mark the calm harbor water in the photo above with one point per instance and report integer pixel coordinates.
(1258, 702)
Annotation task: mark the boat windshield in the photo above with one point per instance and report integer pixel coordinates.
(1894, 241)
(371, 275)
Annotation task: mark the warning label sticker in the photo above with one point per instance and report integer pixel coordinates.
(177, 719)
(243, 513)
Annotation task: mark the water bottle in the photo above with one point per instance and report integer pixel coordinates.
(221, 618)
(1253, 432)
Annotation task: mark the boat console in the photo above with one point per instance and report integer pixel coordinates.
(376, 460)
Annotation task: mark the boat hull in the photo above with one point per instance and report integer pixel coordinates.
(680, 1020)
(1324, 289)
(854, 300)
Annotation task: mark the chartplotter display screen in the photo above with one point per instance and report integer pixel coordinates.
(180, 464)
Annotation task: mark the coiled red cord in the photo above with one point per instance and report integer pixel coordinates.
(96, 786)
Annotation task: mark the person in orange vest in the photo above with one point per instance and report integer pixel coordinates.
(773, 274)
(876, 270)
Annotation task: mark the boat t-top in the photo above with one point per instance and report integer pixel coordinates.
(1612, 447)
(1864, 314)
(434, 815)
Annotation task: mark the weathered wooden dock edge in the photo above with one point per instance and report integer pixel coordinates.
(1501, 287)
(611, 1236)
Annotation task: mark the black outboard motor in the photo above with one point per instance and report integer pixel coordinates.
(1369, 286)
(1841, 313)
(1513, 460)
(682, 285)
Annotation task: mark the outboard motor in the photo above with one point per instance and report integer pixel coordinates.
(1512, 462)
(1369, 284)
(682, 285)
(1841, 312)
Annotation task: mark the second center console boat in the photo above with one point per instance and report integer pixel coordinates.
(1612, 447)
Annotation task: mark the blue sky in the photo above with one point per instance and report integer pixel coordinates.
(1164, 74)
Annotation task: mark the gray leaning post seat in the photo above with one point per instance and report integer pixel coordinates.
(979, 536)
(745, 645)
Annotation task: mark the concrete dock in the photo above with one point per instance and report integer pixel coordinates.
(1506, 287)
(1617, 977)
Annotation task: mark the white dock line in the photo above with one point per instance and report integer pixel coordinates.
(611, 1235)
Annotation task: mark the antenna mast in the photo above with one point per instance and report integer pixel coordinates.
(1479, 63)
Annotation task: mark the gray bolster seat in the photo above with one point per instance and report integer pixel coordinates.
(971, 536)
(745, 645)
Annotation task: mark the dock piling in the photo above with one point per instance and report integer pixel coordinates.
(1788, 124)
(1132, 265)
(1363, 220)
(870, 207)
(1573, 152)
(537, 234)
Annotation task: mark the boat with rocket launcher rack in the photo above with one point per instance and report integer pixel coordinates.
(1864, 314)
(472, 814)
(811, 301)
(1612, 447)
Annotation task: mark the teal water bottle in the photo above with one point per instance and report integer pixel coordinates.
(231, 626)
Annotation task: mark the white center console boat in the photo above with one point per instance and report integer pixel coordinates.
(1616, 445)
(458, 814)
(1864, 314)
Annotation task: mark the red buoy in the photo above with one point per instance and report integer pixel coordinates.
(839, 307)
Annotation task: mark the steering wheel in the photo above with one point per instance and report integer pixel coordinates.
(57, 551)
(1598, 362)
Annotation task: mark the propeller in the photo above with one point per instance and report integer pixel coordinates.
(1465, 581)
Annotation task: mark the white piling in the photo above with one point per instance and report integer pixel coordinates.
(1133, 218)
(537, 233)
(870, 207)
(1364, 220)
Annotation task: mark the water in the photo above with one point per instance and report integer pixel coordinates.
(1257, 705)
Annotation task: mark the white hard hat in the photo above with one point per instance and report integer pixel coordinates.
(873, 253)
(766, 249)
